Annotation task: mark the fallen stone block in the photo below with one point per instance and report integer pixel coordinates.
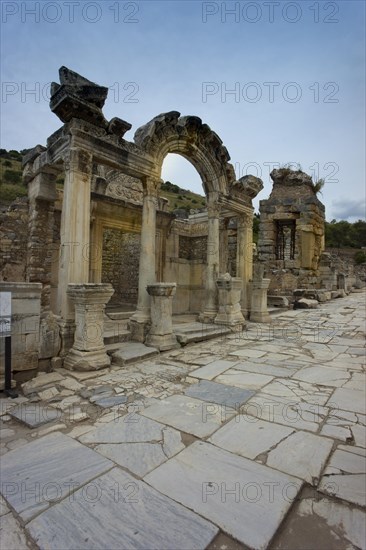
(305, 303)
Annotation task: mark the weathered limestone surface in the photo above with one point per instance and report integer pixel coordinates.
(56, 461)
(230, 289)
(127, 514)
(220, 495)
(161, 332)
(88, 351)
(26, 309)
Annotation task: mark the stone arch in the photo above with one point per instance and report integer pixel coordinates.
(195, 141)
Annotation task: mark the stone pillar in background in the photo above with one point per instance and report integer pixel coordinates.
(258, 290)
(42, 196)
(224, 245)
(140, 321)
(88, 351)
(244, 258)
(42, 255)
(75, 237)
(161, 334)
(213, 259)
(230, 289)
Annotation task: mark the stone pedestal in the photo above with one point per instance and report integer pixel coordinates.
(88, 351)
(230, 289)
(259, 312)
(161, 332)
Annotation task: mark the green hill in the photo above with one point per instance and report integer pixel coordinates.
(11, 186)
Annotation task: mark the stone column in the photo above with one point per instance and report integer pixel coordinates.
(161, 332)
(213, 260)
(88, 351)
(75, 237)
(140, 320)
(244, 258)
(224, 245)
(230, 289)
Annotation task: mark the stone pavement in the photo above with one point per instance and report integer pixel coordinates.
(251, 440)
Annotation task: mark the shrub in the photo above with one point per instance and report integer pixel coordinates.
(360, 257)
(9, 193)
(11, 176)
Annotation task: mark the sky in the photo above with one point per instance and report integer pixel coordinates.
(280, 82)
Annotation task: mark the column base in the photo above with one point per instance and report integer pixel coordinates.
(67, 333)
(230, 320)
(162, 342)
(260, 317)
(86, 360)
(207, 316)
(139, 328)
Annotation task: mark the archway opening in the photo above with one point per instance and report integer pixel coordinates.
(182, 185)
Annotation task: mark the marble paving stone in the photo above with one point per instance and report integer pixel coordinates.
(302, 455)
(41, 382)
(359, 435)
(141, 458)
(268, 368)
(289, 412)
(213, 369)
(3, 507)
(351, 449)
(325, 376)
(127, 514)
(217, 486)
(241, 379)
(248, 436)
(357, 381)
(349, 400)
(34, 414)
(345, 476)
(71, 384)
(46, 470)
(248, 353)
(219, 393)
(339, 425)
(322, 524)
(131, 428)
(110, 401)
(11, 534)
(189, 415)
(298, 390)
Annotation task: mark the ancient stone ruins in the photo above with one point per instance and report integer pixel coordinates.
(110, 207)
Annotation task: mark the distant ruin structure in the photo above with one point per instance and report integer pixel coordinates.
(291, 231)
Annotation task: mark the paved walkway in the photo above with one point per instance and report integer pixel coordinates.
(253, 440)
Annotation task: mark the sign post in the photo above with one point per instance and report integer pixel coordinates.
(5, 332)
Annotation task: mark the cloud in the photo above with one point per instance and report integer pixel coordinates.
(345, 209)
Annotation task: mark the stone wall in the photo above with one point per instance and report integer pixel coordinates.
(120, 264)
(192, 248)
(13, 241)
